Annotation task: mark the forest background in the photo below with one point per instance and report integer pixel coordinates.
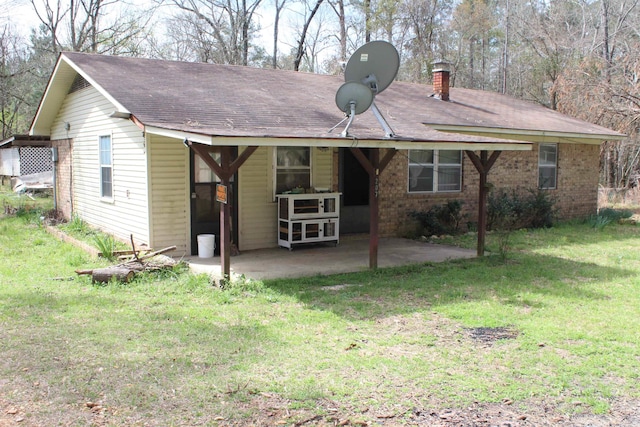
(580, 57)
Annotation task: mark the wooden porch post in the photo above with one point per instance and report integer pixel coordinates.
(483, 164)
(374, 182)
(225, 170)
(374, 168)
(225, 217)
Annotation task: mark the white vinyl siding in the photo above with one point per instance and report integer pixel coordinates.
(433, 171)
(84, 116)
(322, 161)
(547, 166)
(257, 211)
(169, 202)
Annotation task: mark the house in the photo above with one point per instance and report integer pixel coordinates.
(142, 144)
(22, 155)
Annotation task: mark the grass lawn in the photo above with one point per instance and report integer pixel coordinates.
(550, 335)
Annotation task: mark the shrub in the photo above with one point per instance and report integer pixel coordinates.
(106, 244)
(598, 221)
(533, 209)
(443, 219)
(615, 215)
(607, 216)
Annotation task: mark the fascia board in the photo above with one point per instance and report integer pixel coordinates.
(337, 142)
(531, 135)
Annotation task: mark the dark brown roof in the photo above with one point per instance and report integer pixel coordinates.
(223, 100)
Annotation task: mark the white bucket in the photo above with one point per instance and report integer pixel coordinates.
(206, 245)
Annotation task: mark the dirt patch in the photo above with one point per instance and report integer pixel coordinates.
(491, 335)
(25, 405)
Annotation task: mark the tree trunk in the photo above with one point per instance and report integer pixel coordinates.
(104, 275)
(300, 52)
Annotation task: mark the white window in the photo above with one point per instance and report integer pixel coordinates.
(547, 166)
(106, 167)
(293, 168)
(202, 171)
(435, 171)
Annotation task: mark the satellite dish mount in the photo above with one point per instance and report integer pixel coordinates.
(369, 71)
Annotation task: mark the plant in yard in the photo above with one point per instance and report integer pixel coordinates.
(77, 226)
(599, 221)
(106, 244)
(615, 215)
(507, 212)
(520, 209)
(441, 219)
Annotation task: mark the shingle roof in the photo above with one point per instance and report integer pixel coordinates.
(224, 100)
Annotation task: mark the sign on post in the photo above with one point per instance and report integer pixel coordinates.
(221, 193)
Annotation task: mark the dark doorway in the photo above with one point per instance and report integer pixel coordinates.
(354, 185)
(205, 210)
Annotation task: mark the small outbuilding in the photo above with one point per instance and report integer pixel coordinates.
(25, 155)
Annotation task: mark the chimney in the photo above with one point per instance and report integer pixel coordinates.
(441, 80)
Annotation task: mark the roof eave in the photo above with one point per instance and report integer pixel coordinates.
(531, 135)
(336, 141)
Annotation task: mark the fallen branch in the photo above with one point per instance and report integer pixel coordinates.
(133, 249)
(125, 271)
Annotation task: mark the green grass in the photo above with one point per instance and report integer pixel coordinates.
(174, 349)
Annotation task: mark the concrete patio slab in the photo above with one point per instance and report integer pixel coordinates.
(351, 255)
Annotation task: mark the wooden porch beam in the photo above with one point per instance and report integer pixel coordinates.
(246, 153)
(374, 167)
(483, 164)
(225, 170)
(222, 170)
(203, 151)
(387, 159)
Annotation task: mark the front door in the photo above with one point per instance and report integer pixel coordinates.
(205, 210)
(354, 185)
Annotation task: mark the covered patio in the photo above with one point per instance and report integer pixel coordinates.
(350, 255)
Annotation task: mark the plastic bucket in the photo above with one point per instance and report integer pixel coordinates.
(206, 245)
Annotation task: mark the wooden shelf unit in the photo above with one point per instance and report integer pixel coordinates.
(308, 218)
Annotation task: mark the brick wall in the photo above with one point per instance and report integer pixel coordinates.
(576, 194)
(64, 177)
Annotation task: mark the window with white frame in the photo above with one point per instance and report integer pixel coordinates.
(292, 168)
(106, 166)
(202, 172)
(547, 166)
(435, 171)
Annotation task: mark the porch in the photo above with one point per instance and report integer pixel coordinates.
(351, 255)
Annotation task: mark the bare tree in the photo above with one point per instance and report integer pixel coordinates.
(338, 8)
(14, 89)
(303, 34)
(228, 24)
(422, 25)
(276, 27)
(98, 26)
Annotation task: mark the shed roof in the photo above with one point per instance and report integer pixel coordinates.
(20, 140)
(206, 101)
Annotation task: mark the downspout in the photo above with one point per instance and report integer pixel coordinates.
(70, 180)
(54, 160)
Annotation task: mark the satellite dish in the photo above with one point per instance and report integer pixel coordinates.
(374, 64)
(354, 98)
(369, 71)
